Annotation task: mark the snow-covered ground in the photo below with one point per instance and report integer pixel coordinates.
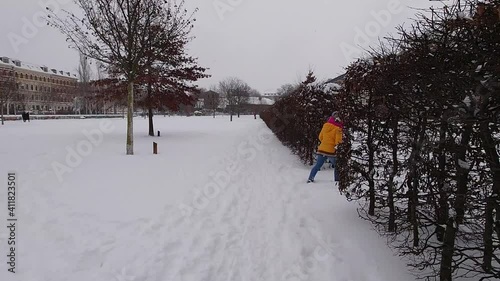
(221, 201)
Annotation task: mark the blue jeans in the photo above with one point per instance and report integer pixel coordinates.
(319, 163)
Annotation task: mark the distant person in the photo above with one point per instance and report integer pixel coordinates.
(330, 137)
(28, 116)
(23, 115)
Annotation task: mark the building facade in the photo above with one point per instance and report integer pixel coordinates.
(40, 90)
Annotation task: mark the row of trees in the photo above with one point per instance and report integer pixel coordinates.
(422, 141)
(235, 93)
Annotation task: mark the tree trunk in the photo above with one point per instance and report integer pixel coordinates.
(214, 113)
(413, 179)
(414, 221)
(442, 208)
(488, 235)
(446, 269)
(462, 175)
(130, 119)
(395, 166)
(231, 117)
(371, 168)
(1, 114)
(151, 127)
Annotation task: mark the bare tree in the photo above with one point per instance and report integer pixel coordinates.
(126, 35)
(8, 89)
(286, 89)
(236, 93)
(84, 75)
(212, 100)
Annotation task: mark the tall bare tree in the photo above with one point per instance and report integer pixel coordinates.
(236, 93)
(127, 36)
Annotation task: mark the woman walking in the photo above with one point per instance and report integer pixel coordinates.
(330, 137)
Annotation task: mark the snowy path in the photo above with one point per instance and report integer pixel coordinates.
(243, 213)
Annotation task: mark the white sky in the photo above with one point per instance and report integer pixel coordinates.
(266, 43)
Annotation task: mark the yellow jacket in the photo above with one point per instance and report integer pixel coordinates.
(330, 136)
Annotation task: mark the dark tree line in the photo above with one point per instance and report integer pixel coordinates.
(422, 140)
(297, 118)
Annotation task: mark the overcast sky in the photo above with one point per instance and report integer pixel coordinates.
(266, 43)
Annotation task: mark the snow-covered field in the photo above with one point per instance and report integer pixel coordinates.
(221, 201)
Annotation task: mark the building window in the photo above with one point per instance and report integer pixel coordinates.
(32, 87)
(31, 77)
(22, 76)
